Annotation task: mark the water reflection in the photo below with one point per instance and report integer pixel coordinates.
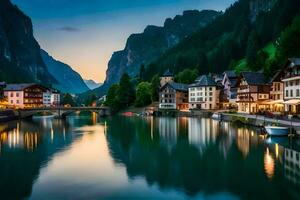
(85, 157)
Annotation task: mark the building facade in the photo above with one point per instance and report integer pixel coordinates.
(204, 94)
(291, 84)
(276, 93)
(253, 92)
(173, 96)
(166, 77)
(24, 95)
(229, 89)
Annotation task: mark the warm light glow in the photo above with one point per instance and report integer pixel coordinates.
(269, 164)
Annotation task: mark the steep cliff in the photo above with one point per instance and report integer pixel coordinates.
(20, 58)
(147, 46)
(68, 80)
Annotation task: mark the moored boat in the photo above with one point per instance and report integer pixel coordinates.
(217, 116)
(277, 131)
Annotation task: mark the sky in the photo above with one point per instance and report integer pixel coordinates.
(85, 33)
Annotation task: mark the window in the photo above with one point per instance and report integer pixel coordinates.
(210, 98)
(210, 89)
(18, 102)
(17, 94)
(192, 94)
(297, 82)
(291, 93)
(11, 101)
(286, 84)
(297, 92)
(291, 83)
(192, 89)
(287, 93)
(210, 94)
(192, 99)
(11, 94)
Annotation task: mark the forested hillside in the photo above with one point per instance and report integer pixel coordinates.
(245, 37)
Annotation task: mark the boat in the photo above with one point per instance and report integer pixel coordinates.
(277, 131)
(217, 116)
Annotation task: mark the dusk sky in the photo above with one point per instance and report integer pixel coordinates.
(85, 33)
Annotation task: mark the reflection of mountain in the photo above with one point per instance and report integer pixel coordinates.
(186, 167)
(25, 148)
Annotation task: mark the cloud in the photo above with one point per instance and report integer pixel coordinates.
(69, 29)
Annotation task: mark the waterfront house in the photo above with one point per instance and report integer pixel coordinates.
(291, 82)
(204, 93)
(276, 93)
(168, 76)
(173, 96)
(51, 98)
(230, 91)
(253, 92)
(24, 95)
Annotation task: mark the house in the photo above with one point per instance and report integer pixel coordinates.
(291, 82)
(253, 92)
(276, 93)
(51, 98)
(204, 93)
(24, 95)
(230, 92)
(168, 76)
(173, 96)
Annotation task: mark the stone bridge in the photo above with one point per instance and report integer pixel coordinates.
(61, 112)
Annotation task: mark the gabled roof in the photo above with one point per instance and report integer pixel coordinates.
(204, 80)
(254, 78)
(177, 86)
(296, 61)
(168, 73)
(277, 76)
(230, 74)
(20, 86)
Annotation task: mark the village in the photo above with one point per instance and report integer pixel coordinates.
(246, 92)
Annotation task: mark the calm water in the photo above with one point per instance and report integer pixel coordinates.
(163, 158)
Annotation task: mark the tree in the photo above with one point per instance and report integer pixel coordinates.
(187, 76)
(142, 72)
(126, 93)
(143, 94)
(289, 41)
(68, 100)
(91, 99)
(252, 48)
(112, 98)
(155, 85)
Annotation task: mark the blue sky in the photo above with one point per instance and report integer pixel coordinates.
(85, 33)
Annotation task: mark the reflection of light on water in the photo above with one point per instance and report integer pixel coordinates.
(243, 141)
(276, 150)
(52, 134)
(269, 164)
(30, 140)
(94, 118)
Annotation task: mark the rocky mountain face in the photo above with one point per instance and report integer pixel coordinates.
(20, 58)
(144, 47)
(92, 84)
(68, 80)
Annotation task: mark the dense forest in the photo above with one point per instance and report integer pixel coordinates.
(248, 36)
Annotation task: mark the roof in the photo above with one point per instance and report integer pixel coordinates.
(177, 86)
(168, 73)
(19, 87)
(277, 76)
(204, 80)
(231, 74)
(296, 61)
(254, 78)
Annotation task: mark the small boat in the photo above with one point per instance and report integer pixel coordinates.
(217, 116)
(277, 131)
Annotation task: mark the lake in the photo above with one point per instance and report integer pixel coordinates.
(87, 157)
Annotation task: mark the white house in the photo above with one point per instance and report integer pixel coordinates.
(204, 94)
(51, 98)
(291, 82)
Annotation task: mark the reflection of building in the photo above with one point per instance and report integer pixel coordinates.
(292, 165)
(202, 131)
(168, 128)
(269, 164)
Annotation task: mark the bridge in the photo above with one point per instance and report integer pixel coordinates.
(61, 112)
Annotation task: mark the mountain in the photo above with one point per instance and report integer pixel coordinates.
(237, 36)
(144, 47)
(92, 84)
(68, 81)
(20, 58)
